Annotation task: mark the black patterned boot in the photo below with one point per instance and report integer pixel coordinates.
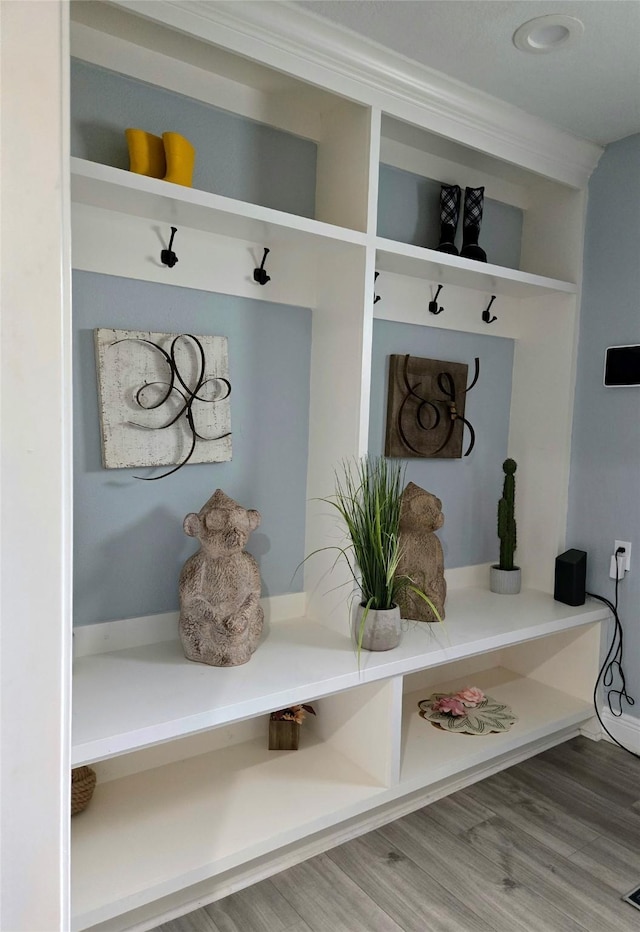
(472, 221)
(449, 213)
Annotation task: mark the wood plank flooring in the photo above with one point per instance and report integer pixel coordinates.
(549, 845)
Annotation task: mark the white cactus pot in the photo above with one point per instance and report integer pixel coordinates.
(505, 582)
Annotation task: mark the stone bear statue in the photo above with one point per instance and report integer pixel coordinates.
(220, 613)
(421, 553)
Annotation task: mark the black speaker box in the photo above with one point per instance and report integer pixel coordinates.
(571, 577)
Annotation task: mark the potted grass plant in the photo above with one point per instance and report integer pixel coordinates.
(368, 498)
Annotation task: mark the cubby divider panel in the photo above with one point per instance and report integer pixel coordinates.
(363, 725)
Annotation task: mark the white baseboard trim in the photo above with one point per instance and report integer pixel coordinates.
(625, 729)
(592, 729)
(151, 629)
(464, 577)
(126, 632)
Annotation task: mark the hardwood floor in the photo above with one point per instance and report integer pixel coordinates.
(549, 845)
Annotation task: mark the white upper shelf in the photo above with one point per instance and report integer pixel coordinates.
(126, 192)
(122, 701)
(154, 199)
(417, 262)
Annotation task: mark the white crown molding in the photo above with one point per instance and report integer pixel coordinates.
(292, 40)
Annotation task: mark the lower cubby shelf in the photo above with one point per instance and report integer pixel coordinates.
(153, 833)
(150, 834)
(429, 754)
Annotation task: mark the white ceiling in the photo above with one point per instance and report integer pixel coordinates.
(591, 89)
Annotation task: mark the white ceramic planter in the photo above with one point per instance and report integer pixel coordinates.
(505, 582)
(382, 628)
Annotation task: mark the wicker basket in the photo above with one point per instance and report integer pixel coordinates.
(83, 781)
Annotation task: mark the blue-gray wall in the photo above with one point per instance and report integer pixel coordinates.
(604, 490)
(469, 487)
(235, 156)
(129, 545)
(409, 212)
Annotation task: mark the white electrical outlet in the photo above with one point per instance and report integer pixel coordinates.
(625, 558)
(616, 568)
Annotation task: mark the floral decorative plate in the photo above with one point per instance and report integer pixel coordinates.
(482, 719)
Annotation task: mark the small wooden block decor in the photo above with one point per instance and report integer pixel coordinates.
(284, 736)
(284, 727)
(163, 397)
(425, 407)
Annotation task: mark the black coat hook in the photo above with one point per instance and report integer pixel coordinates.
(167, 256)
(259, 274)
(376, 297)
(433, 305)
(487, 318)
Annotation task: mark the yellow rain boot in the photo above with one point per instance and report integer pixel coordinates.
(146, 153)
(180, 156)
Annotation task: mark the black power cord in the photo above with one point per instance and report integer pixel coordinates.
(612, 665)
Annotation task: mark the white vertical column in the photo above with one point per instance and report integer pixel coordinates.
(339, 393)
(540, 431)
(35, 470)
(341, 348)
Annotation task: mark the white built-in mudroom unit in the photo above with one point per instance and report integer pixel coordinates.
(329, 153)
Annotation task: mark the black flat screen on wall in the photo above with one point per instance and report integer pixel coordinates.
(622, 366)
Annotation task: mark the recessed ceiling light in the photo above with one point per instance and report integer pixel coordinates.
(547, 33)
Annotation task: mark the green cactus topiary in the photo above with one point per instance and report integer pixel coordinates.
(506, 516)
